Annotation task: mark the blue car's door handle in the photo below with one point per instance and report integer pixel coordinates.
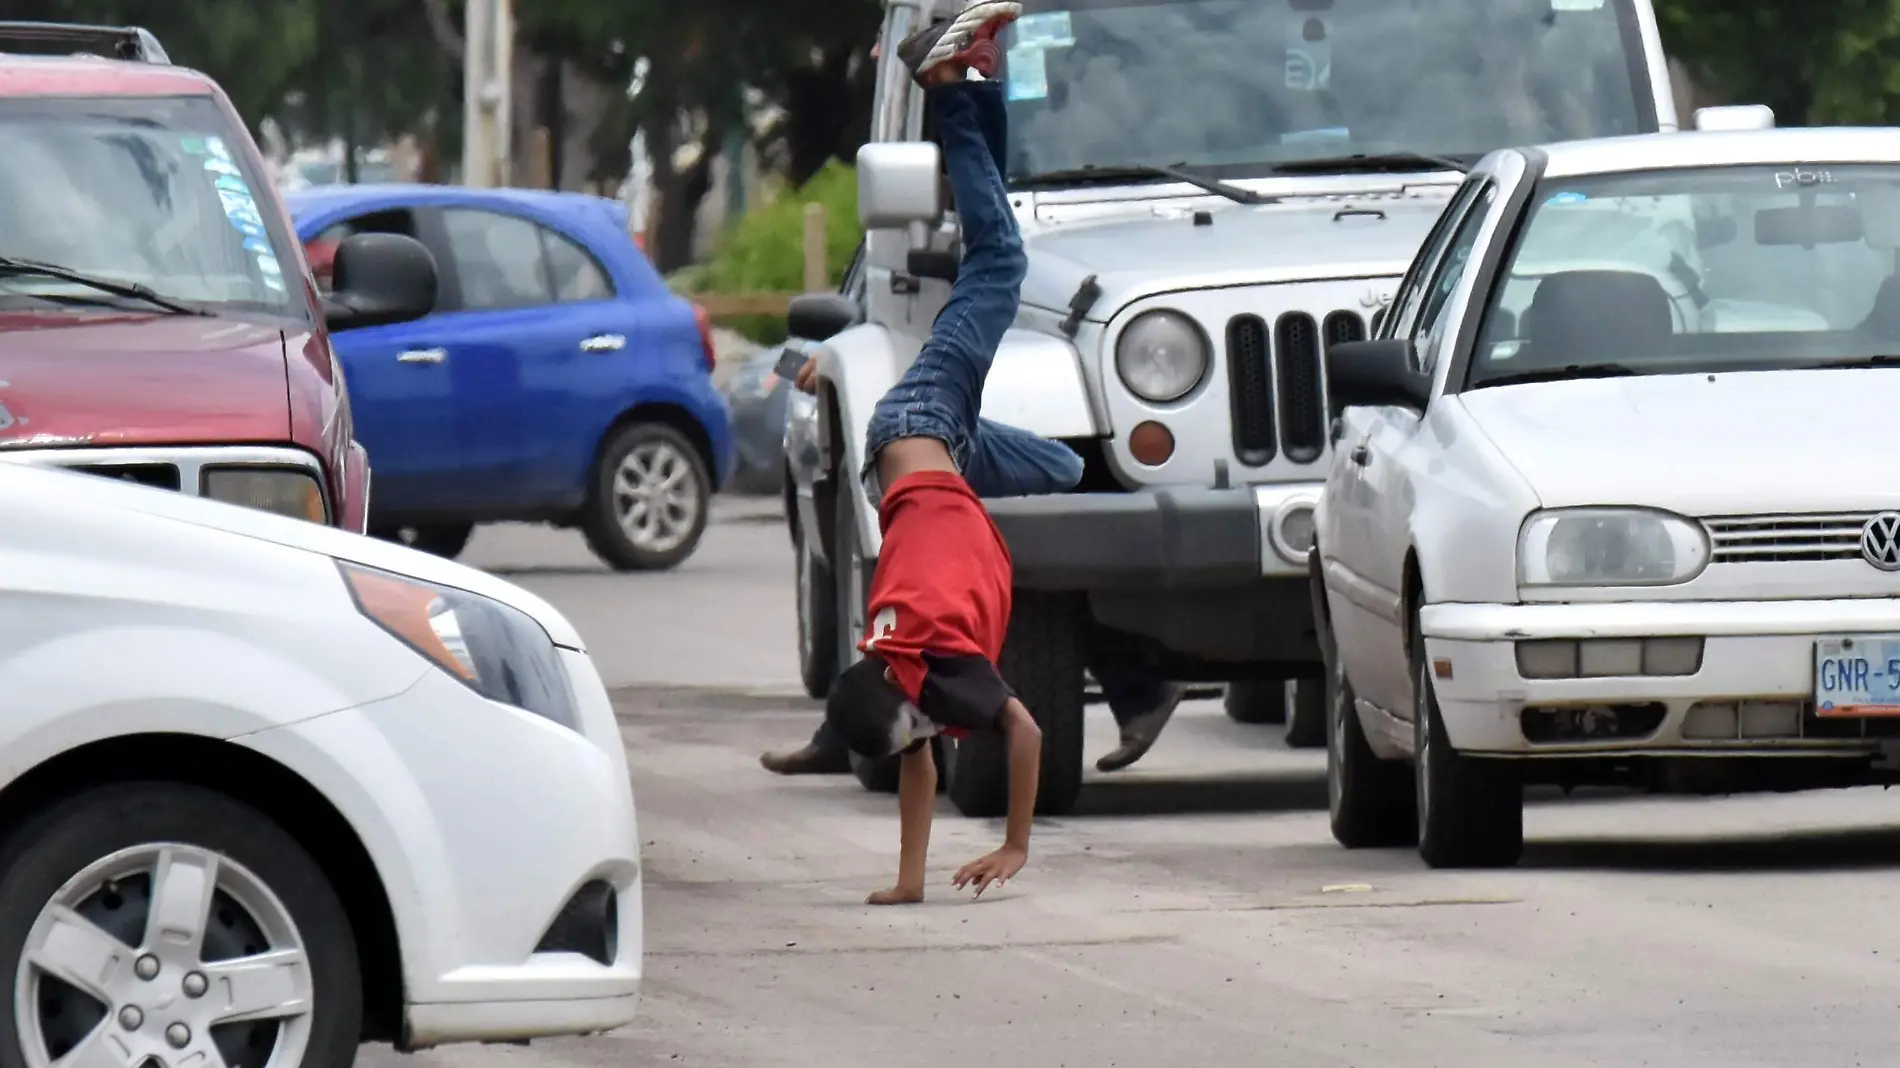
(604, 343)
(423, 356)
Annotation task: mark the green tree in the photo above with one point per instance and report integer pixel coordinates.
(1815, 63)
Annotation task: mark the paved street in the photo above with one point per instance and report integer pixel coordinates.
(1196, 911)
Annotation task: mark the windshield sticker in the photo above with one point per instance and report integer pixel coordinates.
(1576, 5)
(1045, 29)
(193, 145)
(1028, 73)
(1319, 136)
(1309, 56)
(1567, 198)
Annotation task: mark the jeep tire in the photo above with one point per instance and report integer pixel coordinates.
(1043, 661)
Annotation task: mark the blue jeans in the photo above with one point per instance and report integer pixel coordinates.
(941, 394)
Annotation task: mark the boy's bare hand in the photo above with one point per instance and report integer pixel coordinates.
(996, 868)
(896, 895)
(807, 381)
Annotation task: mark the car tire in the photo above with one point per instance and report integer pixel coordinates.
(817, 618)
(656, 466)
(81, 876)
(1470, 809)
(446, 540)
(1043, 662)
(1255, 701)
(1370, 801)
(1306, 722)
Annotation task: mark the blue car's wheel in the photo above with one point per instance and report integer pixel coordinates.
(650, 499)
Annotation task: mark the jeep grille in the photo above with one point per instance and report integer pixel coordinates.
(1293, 366)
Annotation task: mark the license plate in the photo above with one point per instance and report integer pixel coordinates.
(1857, 676)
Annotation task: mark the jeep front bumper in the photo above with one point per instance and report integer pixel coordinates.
(1213, 575)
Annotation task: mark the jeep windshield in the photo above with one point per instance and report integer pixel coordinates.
(1711, 269)
(127, 199)
(1231, 88)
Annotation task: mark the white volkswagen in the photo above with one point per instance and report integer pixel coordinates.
(270, 790)
(1617, 496)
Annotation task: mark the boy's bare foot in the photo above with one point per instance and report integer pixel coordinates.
(961, 42)
(807, 760)
(896, 895)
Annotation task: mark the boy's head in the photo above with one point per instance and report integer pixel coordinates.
(871, 713)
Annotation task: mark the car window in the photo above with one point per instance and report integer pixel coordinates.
(498, 259)
(1429, 331)
(577, 276)
(321, 249)
(1405, 304)
(1716, 268)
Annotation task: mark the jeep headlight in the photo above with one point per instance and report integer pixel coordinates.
(497, 651)
(1162, 356)
(282, 490)
(1610, 547)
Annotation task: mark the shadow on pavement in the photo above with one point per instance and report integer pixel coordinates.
(1861, 849)
(1202, 795)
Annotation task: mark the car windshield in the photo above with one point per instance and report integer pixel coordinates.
(1705, 269)
(1232, 87)
(148, 191)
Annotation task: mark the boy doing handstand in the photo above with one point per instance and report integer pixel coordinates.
(940, 599)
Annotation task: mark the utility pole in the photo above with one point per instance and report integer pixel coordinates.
(487, 79)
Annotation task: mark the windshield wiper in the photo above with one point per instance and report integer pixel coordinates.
(11, 267)
(1557, 374)
(1877, 360)
(1125, 171)
(1373, 161)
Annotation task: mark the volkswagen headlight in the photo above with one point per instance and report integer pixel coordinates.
(283, 490)
(1610, 547)
(1162, 356)
(497, 651)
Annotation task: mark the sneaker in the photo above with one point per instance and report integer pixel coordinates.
(808, 760)
(968, 39)
(1139, 735)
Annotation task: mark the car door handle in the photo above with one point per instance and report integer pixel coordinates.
(604, 343)
(1361, 455)
(423, 356)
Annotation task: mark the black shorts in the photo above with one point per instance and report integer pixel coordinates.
(964, 694)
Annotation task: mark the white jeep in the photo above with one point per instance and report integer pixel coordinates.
(1211, 193)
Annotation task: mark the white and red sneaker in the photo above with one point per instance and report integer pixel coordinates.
(966, 39)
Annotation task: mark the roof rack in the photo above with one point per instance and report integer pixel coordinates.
(132, 43)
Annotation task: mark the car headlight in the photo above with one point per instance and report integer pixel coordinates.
(1162, 356)
(1610, 547)
(268, 489)
(497, 651)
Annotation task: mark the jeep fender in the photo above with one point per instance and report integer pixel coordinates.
(1035, 383)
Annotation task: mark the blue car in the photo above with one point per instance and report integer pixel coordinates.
(559, 380)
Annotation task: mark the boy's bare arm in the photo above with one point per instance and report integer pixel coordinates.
(1024, 740)
(916, 798)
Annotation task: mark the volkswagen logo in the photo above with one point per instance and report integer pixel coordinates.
(1880, 541)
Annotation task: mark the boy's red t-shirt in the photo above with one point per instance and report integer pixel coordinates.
(943, 580)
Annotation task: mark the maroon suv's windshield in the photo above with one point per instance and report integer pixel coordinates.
(152, 191)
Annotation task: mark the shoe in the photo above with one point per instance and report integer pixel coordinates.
(968, 39)
(1139, 734)
(808, 760)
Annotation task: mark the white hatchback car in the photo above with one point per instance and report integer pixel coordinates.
(270, 790)
(1617, 497)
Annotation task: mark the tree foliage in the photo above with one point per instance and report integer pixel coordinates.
(1815, 63)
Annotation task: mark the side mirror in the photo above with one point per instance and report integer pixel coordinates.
(1736, 117)
(378, 279)
(899, 183)
(819, 316)
(1375, 374)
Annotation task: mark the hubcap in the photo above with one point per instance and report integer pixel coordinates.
(656, 497)
(138, 938)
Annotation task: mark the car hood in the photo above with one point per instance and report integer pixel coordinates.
(1727, 444)
(138, 379)
(292, 533)
(1164, 250)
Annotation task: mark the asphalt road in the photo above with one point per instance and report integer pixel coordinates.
(1195, 911)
